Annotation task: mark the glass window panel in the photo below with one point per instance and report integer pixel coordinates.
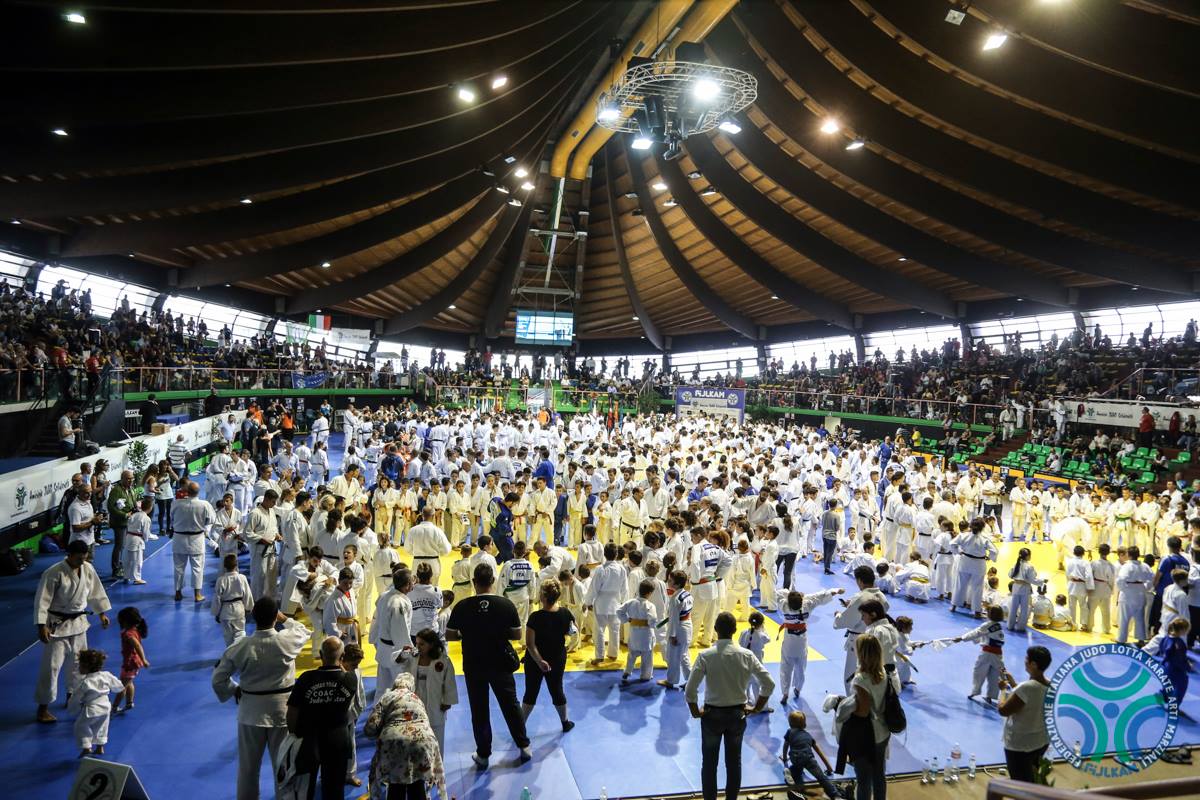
(1175, 317)
(716, 362)
(930, 338)
(1109, 320)
(106, 292)
(801, 352)
(14, 268)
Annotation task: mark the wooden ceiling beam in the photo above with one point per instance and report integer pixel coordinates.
(635, 300)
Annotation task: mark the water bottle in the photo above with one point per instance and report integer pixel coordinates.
(525, 794)
(952, 766)
(1078, 748)
(971, 768)
(603, 793)
(925, 773)
(933, 775)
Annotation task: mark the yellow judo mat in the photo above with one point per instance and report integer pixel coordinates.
(578, 659)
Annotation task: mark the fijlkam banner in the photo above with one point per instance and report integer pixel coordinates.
(692, 400)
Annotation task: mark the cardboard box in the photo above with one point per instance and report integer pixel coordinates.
(159, 427)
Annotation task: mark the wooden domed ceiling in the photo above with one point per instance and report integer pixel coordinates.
(1062, 163)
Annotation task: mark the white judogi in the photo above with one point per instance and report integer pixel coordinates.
(61, 603)
(265, 664)
(136, 534)
(262, 534)
(516, 584)
(970, 566)
(794, 648)
(436, 686)
(990, 664)
(850, 619)
(604, 594)
(231, 598)
(1133, 580)
(428, 544)
(190, 518)
(706, 561)
(390, 633)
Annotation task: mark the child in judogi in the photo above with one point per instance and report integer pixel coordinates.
(766, 570)
(1036, 514)
(443, 617)
(231, 598)
(756, 641)
(1043, 609)
(228, 526)
(849, 546)
(379, 572)
(639, 614)
(1080, 584)
(794, 630)
(460, 574)
(989, 666)
(352, 656)
(864, 559)
(426, 599)
(516, 578)
(943, 561)
(1060, 618)
(433, 674)
(136, 534)
(740, 580)
(904, 651)
(350, 561)
(572, 598)
(992, 595)
(884, 580)
(90, 700)
(913, 579)
(591, 551)
(659, 599)
(603, 513)
(340, 616)
(679, 630)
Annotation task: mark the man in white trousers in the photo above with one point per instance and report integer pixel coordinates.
(190, 519)
(850, 617)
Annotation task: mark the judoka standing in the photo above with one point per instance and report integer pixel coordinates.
(390, 630)
(265, 664)
(974, 551)
(190, 519)
(60, 607)
(428, 544)
(261, 534)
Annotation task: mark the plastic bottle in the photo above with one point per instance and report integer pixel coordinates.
(952, 766)
(971, 768)
(526, 794)
(933, 775)
(603, 793)
(1078, 748)
(925, 773)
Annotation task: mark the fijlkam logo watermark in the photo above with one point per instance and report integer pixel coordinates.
(1111, 698)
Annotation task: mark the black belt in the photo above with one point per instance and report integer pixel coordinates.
(435, 557)
(968, 555)
(237, 599)
(188, 533)
(388, 642)
(282, 690)
(67, 614)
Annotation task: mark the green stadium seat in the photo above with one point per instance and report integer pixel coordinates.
(1184, 457)
(1147, 477)
(1142, 452)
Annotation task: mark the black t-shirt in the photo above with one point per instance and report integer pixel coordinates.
(550, 631)
(323, 696)
(484, 622)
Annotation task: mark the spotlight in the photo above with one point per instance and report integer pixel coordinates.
(729, 126)
(902, 259)
(325, 265)
(856, 144)
(486, 170)
(60, 132)
(520, 172)
(830, 125)
(527, 186)
(955, 17)
(641, 142)
(658, 186)
(451, 307)
(707, 191)
(694, 174)
(706, 90)
(509, 159)
(75, 18)
(515, 202)
(609, 113)
(670, 203)
(635, 317)
(631, 196)
(673, 151)
(994, 41)
(16, 222)
(774, 297)
(466, 94)
(245, 201)
(499, 81)
(501, 188)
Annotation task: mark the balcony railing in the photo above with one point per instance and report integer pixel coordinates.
(46, 386)
(166, 379)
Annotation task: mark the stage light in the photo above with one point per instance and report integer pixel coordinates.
(706, 90)
(707, 190)
(527, 186)
(451, 307)
(902, 259)
(609, 113)
(75, 18)
(325, 265)
(774, 297)
(830, 125)
(60, 132)
(856, 144)
(670, 203)
(520, 172)
(466, 94)
(502, 189)
(729, 126)
(994, 41)
(955, 17)
(245, 201)
(635, 317)
(658, 186)
(694, 175)
(515, 202)
(509, 159)
(641, 143)
(499, 82)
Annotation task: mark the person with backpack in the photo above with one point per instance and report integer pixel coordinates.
(863, 729)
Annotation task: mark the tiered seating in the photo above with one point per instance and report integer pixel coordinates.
(962, 454)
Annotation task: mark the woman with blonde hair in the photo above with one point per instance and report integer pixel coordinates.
(863, 735)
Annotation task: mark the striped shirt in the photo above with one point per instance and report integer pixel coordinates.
(177, 453)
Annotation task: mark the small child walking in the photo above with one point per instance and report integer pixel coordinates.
(754, 640)
(231, 598)
(639, 614)
(90, 700)
(136, 534)
(133, 655)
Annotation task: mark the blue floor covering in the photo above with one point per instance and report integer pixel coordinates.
(631, 741)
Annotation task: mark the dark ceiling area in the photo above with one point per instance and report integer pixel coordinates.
(367, 158)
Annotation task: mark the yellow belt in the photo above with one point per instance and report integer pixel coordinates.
(639, 623)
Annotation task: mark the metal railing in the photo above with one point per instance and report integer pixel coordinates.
(1167, 384)
(505, 397)
(47, 386)
(1007, 789)
(879, 405)
(188, 378)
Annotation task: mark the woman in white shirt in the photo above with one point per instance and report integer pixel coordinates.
(864, 735)
(1025, 737)
(788, 543)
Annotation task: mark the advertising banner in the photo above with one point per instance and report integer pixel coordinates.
(1127, 413)
(313, 381)
(691, 400)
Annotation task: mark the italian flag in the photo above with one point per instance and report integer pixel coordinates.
(321, 322)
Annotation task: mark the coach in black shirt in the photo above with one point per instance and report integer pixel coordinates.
(318, 710)
(485, 624)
